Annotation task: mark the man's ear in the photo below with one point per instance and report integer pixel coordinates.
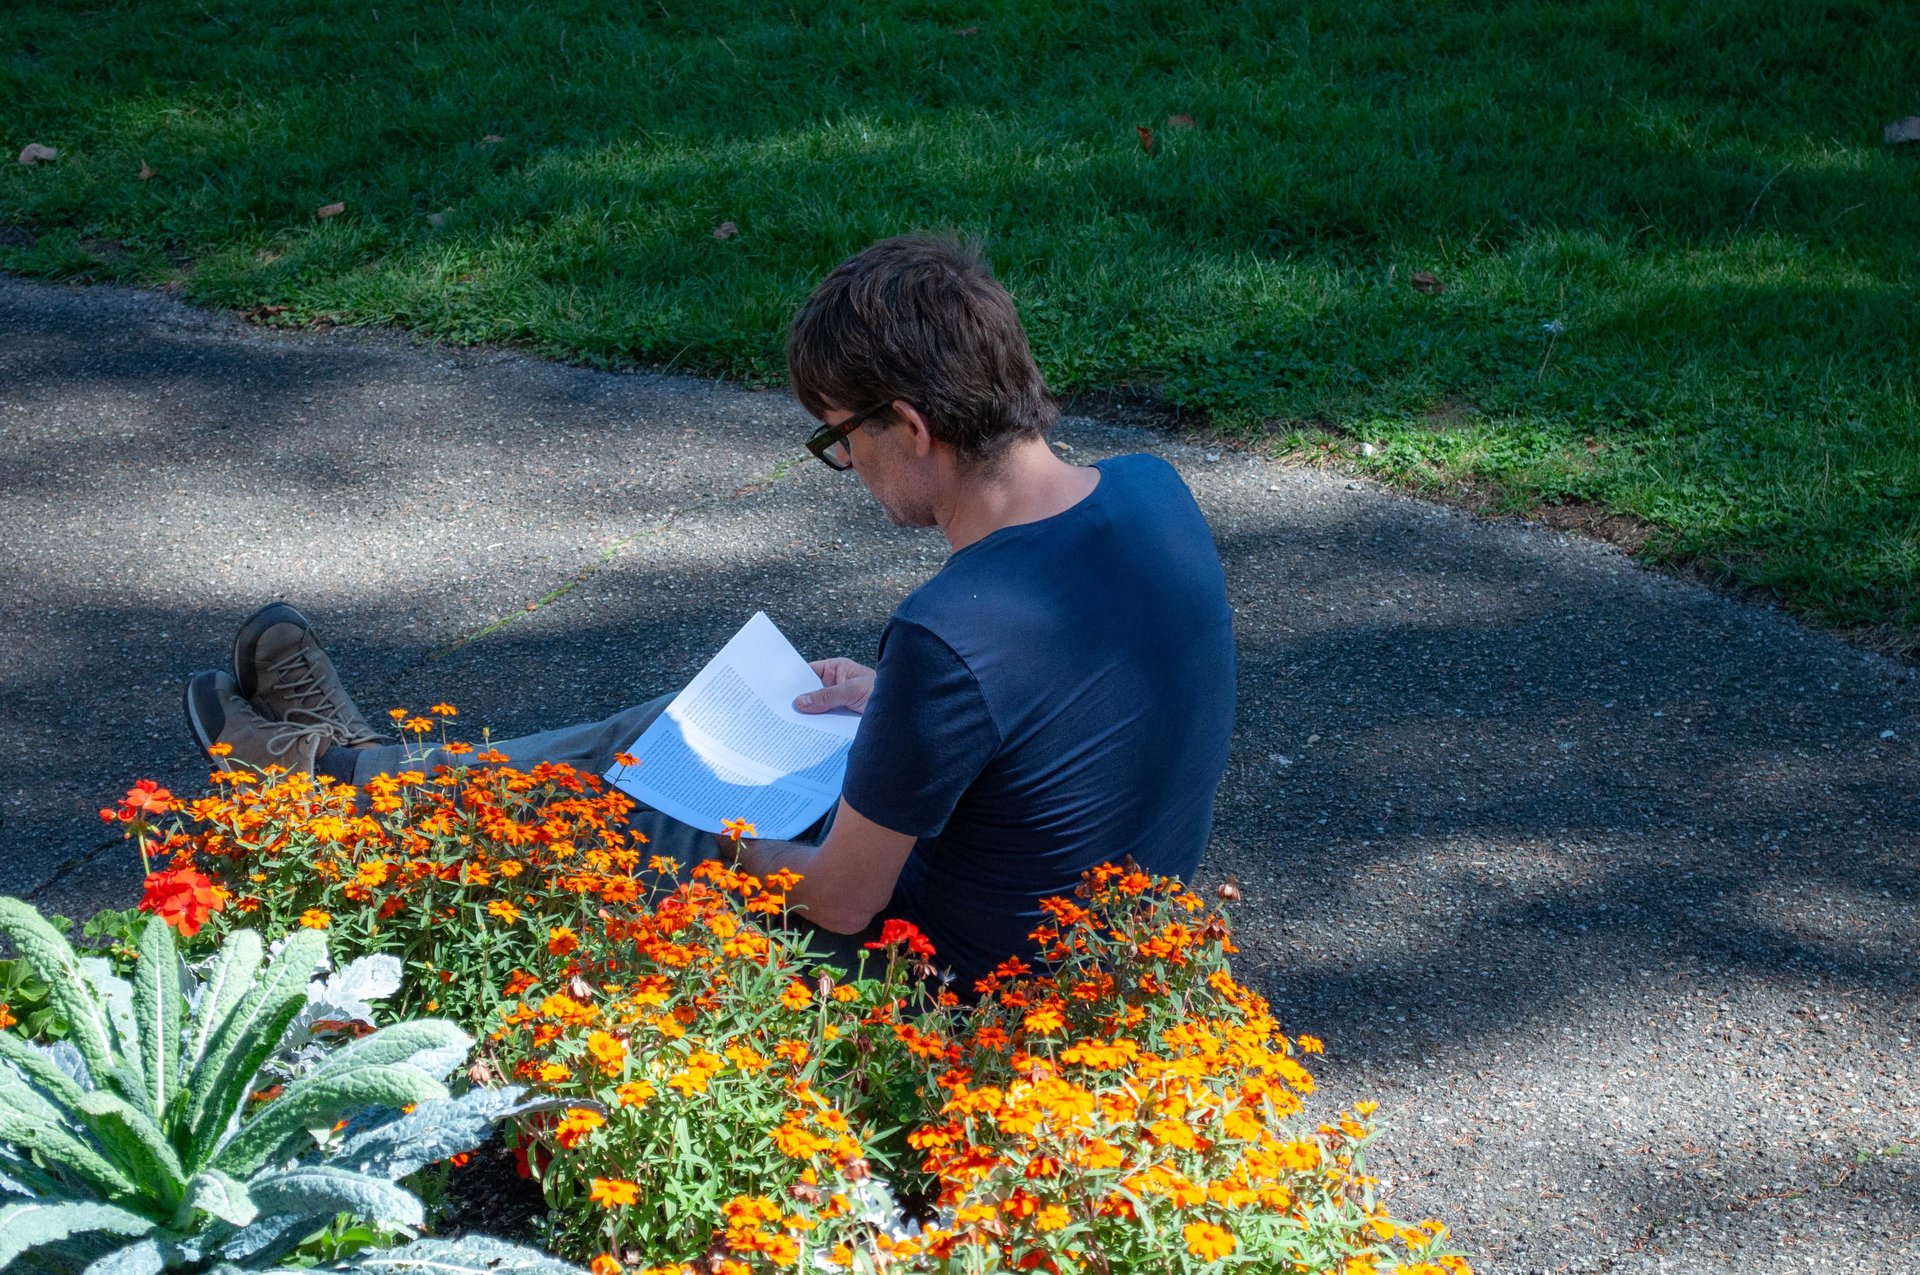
(909, 416)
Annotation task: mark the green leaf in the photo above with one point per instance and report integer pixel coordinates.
(40, 1071)
(29, 1226)
(232, 975)
(53, 962)
(135, 1144)
(157, 1016)
(114, 995)
(147, 1256)
(314, 1188)
(242, 1042)
(212, 1191)
(320, 1100)
(29, 1122)
(430, 1044)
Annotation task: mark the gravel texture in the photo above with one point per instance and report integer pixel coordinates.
(1602, 884)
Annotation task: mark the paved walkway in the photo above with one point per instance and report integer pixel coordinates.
(1604, 885)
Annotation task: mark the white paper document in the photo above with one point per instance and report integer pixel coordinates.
(732, 746)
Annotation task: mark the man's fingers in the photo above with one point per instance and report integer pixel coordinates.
(838, 695)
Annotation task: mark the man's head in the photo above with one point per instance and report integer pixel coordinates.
(922, 321)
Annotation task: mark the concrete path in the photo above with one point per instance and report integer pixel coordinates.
(1604, 885)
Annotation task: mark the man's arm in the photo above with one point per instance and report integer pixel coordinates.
(845, 880)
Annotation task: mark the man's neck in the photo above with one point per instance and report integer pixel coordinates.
(1028, 484)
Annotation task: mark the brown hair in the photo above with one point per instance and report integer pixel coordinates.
(922, 319)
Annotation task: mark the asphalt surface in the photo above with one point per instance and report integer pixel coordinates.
(1604, 885)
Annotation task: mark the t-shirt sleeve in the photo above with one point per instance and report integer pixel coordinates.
(925, 736)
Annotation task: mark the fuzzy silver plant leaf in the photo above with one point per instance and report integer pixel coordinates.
(62, 1054)
(212, 1191)
(365, 978)
(115, 997)
(468, 1255)
(388, 1144)
(317, 1188)
(148, 1256)
(269, 1239)
(346, 995)
(24, 1227)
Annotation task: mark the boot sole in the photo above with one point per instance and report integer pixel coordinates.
(204, 736)
(249, 637)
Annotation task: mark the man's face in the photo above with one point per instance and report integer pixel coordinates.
(882, 455)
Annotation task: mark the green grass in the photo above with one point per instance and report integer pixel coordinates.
(1698, 194)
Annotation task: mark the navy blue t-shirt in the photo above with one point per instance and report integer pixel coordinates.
(1059, 696)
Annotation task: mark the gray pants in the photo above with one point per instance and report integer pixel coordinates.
(589, 748)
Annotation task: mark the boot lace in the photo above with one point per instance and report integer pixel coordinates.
(319, 703)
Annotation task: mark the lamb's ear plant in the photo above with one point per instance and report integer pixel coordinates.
(146, 1141)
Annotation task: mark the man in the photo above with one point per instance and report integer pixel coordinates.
(1060, 695)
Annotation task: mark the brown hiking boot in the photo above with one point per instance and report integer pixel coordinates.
(278, 665)
(218, 714)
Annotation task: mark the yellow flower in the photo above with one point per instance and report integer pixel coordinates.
(448, 710)
(315, 919)
(504, 910)
(1052, 1218)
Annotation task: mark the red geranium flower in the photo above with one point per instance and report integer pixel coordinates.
(896, 932)
(145, 799)
(183, 898)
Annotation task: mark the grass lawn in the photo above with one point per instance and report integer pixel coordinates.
(1678, 263)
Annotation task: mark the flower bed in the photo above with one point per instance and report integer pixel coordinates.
(733, 1107)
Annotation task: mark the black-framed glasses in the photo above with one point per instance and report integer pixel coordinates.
(829, 442)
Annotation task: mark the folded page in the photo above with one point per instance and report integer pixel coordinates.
(732, 746)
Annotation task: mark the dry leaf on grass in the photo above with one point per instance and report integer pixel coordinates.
(146, 174)
(725, 230)
(1146, 137)
(1426, 281)
(33, 152)
(1180, 121)
(325, 211)
(969, 30)
(1906, 130)
(492, 139)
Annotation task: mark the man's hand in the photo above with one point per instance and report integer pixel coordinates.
(848, 686)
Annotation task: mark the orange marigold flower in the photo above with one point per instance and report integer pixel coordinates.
(315, 919)
(397, 714)
(737, 828)
(518, 982)
(575, 1125)
(1043, 1020)
(504, 910)
(561, 940)
(604, 1265)
(6, 1017)
(444, 710)
(1311, 1045)
(1206, 1241)
(634, 1092)
(613, 1193)
(183, 898)
(797, 996)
